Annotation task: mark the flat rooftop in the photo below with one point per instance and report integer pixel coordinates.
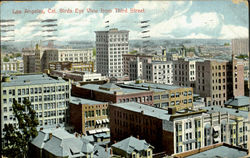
(77, 100)
(110, 88)
(25, 80)
(147, 110)
(212, 109)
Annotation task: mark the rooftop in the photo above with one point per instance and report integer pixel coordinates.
(25, 80)
(235, 112)
(77, 100)
(145, 109)
(132, 144)
(111, 88)
(153, 86)
(239, 101)
(220, 152)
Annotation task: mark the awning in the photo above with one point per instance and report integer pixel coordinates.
(217, 139)
(107, 120)
(92, 131)
(105, 130)
(98, 130)
(104, 120)
(216, 128)
(97, 121)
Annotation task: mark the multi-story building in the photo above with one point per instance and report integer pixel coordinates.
(88, 116)
(239, 103)
(219, 79)
(165, 96)
(46, 56)
(29, 63)
(15, 65)
(218, 127)
(166, 130)
(184, 72)
(49, 97)
(240, 46)
(72, 66)
(110, 46)
(134, 64)
(159, 72)
(83, 76)
(112, 93)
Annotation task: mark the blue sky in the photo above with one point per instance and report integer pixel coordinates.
(221, 19)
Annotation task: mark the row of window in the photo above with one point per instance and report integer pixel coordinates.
(95, 113)
(136, 99)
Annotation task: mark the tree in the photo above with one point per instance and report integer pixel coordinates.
(17, 138)
(18, 55)
(6, 59)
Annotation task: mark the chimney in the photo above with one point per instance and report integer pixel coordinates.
(142, 112)
(50, 135)
(106, 148)
(41, 128)
(138, 137)
(111, 151)
(171, 110)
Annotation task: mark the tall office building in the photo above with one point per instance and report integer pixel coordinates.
(240, 46)
(110, 45)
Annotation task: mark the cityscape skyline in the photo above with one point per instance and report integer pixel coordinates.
(167, 19)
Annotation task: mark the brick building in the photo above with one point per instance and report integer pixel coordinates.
(110, 92)
(72, 66)
(88, 116)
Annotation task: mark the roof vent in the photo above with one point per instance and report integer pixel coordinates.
(237, 111)
(26, 81)
(142, 112)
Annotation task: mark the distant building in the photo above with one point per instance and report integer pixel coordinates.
(78, 75)
(29, 63)
(238, 103)
(45, 56)
(184, 72)
(240, 46)
(110, 46)
(219, 79)
(72, 66)
(49, 97)
(15, 64)
(134, 65)
(132, 147)
(58, 143)
(112, 93)
(159, 72)
(165, 96)
(89, 116)
(216, 150)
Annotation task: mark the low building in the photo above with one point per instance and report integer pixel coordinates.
(132, 147)
(89, 116)
(110, 92)
(15, 64)
(239, 103)
(165, 96)
(72, 66)
(217, 150)
(81, 76)
(58, 143)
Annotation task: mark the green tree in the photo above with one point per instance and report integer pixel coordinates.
(6, 59)
(17, 138)
(18, 55)
(94, 51)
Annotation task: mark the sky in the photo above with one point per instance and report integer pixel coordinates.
(221, 19)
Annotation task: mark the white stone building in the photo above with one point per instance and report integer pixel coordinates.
(110, 46)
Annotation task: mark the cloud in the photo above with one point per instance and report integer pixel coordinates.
(232, 31)
(197, 36)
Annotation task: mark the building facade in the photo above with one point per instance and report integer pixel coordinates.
(110, 46)
(15, 64)
(159, 72)
(240, 46)
(49, 98)
(72, 66)
(88, 116)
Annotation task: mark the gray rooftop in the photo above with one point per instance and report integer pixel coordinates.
(220, 152)
(31, 80)
(132, 144)
(62, 143)
(153, 86)
(239, 101)
(105, 89)
(77, 100)
(147, 110)
(235, 112)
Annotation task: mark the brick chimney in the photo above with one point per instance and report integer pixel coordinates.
(50, 135)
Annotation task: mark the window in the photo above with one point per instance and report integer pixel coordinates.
(4, 92)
